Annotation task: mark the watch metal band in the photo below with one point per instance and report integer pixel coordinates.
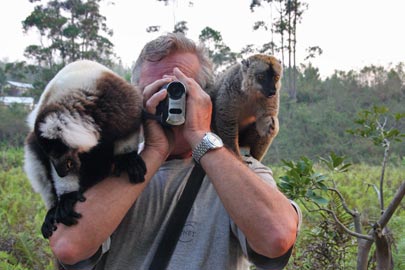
(209, 141)
(200, 150)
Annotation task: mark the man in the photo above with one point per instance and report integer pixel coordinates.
(238, 213)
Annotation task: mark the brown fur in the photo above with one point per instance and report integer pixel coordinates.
(115, 107)
(119, 110)
(246, 107)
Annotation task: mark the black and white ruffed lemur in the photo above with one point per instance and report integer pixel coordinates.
(85, 127)
(246, 100)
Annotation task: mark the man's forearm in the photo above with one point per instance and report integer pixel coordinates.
(105, 206)
(259, 209)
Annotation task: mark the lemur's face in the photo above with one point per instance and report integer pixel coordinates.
(64, 159)
(263, 73)
(267, 80)
(66, 162)
(51, 131)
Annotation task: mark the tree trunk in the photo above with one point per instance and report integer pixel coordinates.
(289, 29)
(383, 250)
(271, 29)
(294, 84)
(384, 164)
(381, 237)
(282, 34)
(363, 249)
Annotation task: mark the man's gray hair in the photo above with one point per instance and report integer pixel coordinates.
(165, 45)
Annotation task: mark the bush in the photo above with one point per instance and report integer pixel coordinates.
(13, 127)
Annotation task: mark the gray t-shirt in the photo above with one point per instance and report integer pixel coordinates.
(209, 240)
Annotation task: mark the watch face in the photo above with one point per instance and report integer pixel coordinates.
(214, 139)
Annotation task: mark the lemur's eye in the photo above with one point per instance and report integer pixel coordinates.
(276, 78)
(69, 164)
(260, 77)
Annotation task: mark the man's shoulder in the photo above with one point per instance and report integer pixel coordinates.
(255, 164)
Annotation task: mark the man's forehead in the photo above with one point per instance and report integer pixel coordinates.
(188, 63)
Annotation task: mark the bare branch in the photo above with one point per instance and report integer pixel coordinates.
(347, 230)
(384, 164)
(377, 191)
(342, 199)
(399, 195)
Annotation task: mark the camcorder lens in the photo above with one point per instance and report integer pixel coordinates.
(176, 90)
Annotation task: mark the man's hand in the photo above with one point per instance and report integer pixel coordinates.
(198, 110)
(156, 138)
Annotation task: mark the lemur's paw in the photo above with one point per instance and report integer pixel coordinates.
(65, 212)
(48, 226)
(133, 164)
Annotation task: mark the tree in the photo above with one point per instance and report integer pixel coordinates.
(218, 51)
(181, 27)
(3, 78)
(312, 52)
(276, 25)
(294, 9)
(221, 55)
(69, 30)
(302, 183)
(153, 28)
(178, 26)
(16, 71)
(285, 26)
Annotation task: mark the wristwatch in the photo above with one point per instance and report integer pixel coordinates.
(209, 142)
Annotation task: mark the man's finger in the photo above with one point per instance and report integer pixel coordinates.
(153, 101)
(154, 87)
(188, 82)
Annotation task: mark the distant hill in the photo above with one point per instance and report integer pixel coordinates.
(316, 123)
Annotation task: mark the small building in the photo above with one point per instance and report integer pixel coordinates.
(27, 102)
(16, 88)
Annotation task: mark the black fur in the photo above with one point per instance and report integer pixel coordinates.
(95, 166)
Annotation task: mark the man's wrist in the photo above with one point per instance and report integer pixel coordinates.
(157, 156)
(209, 142)
(196, 138)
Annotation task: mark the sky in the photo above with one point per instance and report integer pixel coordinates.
(351, 33)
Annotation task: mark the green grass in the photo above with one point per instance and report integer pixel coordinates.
(22, 246)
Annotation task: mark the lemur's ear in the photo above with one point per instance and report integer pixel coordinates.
(245, 64)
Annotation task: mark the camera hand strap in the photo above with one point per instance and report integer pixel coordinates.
(147, 115)
(177, 220)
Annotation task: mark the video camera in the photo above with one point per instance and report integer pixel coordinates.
(172, 110)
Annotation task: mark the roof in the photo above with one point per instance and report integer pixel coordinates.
(23, 100)
(20, 84)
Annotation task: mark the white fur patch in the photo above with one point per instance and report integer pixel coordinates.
(75, 131)
(31, 118)
(73, 78)
(127, 145)
(65, 184)
(38, 178)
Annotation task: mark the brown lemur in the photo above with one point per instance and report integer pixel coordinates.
(246, 100)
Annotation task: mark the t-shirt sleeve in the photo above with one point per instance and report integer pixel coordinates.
(91, 262)
(260, 261)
